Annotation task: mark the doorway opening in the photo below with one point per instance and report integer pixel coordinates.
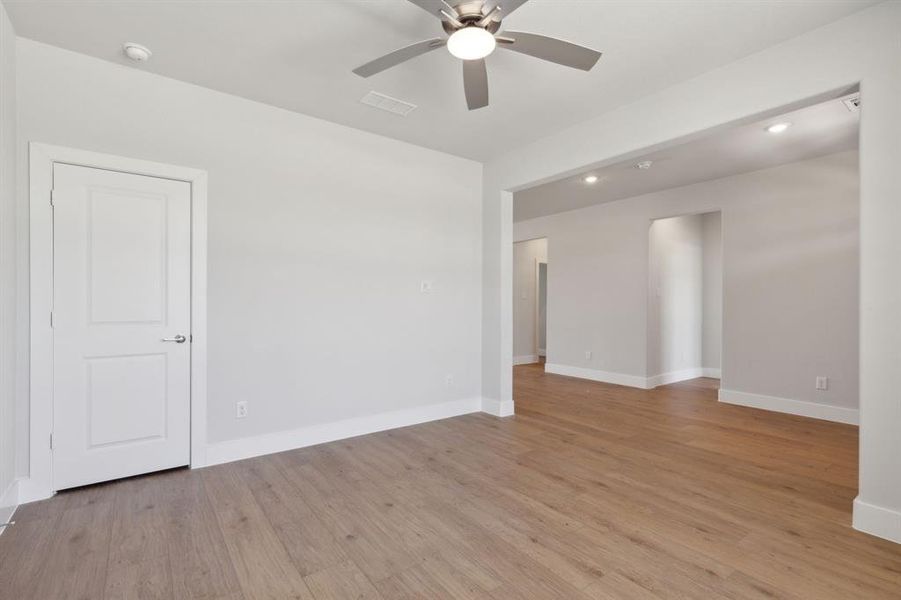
(685, 298)
(530, 301)
(780, 191)
(769, 312)
(542, 311)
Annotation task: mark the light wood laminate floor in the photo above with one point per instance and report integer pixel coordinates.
(591, 491)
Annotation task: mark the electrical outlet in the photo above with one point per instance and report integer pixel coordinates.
(241, 409)
(588, 355)
(449, 380)
(822, 383)
(425, 286)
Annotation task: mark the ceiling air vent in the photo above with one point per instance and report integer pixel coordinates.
(387, 103)
(852, 103)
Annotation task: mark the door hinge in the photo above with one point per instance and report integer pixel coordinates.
(51, 319)
(51, 441)
(52, 195)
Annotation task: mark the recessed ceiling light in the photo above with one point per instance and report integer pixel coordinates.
(645, 165)
(136, 52)
(591, 179)
(471, 43)
(778, 127)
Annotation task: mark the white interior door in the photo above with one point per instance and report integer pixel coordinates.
(121, 300)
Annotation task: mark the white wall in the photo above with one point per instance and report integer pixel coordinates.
(863, 48)
(675, 296)
(7, 260)
(712, 326)
(319, 238)
(526, 255)
(790, 238)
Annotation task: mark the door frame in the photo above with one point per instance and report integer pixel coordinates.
(42, 157)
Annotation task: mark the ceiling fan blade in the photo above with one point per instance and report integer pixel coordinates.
(508, 6)
(475, 83)
(551, 49)
(433, 7)
(398, 56)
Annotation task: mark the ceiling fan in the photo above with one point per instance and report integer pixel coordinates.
(473, 27)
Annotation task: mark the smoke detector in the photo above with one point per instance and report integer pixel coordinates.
(136, 52)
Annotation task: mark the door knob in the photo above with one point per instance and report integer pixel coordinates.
(179, 339)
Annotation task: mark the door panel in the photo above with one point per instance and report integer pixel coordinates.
(127, 246)
(126, 398)
(121, 395)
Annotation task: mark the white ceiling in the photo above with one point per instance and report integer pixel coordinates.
(299, 55)
(815, 131)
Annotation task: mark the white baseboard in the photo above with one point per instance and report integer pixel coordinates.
(33, 491)
(9, 502)
(802, 408)
(877, 520)
(270, 443)
(636, 381)
(594, 375)
(674, 377)
(525, 359)
(711, 372)
(498, 408)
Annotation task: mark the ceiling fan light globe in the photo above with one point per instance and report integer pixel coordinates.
(471, 43)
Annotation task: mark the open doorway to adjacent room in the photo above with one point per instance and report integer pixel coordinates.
(685, 298)
(542, 310)
(530, 265)
(722, 268)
